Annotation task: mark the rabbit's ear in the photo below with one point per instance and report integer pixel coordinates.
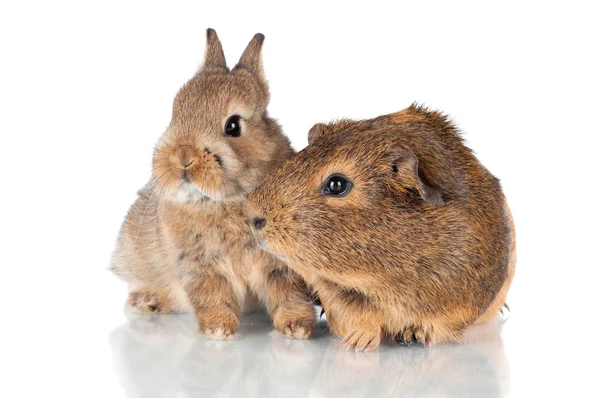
(251, 59)
(405, 167)
(316, 131)
(214, 58)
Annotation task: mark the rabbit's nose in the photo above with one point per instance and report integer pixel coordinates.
(259, 223)
(186, 155)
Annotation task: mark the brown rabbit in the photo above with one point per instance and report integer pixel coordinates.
(186, 243)
(396, 226)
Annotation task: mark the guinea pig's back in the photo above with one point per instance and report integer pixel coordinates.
(473, 196)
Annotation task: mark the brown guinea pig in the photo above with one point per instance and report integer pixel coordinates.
(396, 226)
(186, 243)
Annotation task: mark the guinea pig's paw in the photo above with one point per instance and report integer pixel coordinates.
(413, 334)
(147, 302)
(362, 339)
(218, 324)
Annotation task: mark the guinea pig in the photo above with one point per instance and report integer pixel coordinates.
(186, 244)
(395, 224)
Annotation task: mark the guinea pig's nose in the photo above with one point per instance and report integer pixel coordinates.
(259, 222)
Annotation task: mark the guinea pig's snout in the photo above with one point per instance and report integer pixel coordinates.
(258, 223)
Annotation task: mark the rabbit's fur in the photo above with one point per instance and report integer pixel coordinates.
(420, 248)
(186, 243)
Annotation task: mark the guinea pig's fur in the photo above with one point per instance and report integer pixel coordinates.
(421, 247)
(186, 243)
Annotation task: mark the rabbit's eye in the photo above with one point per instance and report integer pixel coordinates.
(336, 185)
(233, 127)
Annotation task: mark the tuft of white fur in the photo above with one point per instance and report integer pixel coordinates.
(188, 192)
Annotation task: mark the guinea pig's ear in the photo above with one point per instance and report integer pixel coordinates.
(316, 132)
(214, 58)
(251, 59)
(405, 167)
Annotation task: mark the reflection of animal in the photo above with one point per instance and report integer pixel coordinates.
(159, 356)
(477, 367)
(154, 356)
(186, 242)
(395, 224)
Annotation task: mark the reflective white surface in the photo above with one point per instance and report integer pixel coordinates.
(163, 356)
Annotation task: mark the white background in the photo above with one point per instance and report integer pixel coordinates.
(86, 90)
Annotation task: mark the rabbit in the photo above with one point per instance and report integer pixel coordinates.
(395, 224)
(186, 244)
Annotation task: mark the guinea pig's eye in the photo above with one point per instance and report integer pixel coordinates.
(336, 185)
(233, 127)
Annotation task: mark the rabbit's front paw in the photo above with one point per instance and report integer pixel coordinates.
(297, 323)
(218, 324)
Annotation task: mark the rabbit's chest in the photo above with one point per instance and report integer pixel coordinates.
(214, 238)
